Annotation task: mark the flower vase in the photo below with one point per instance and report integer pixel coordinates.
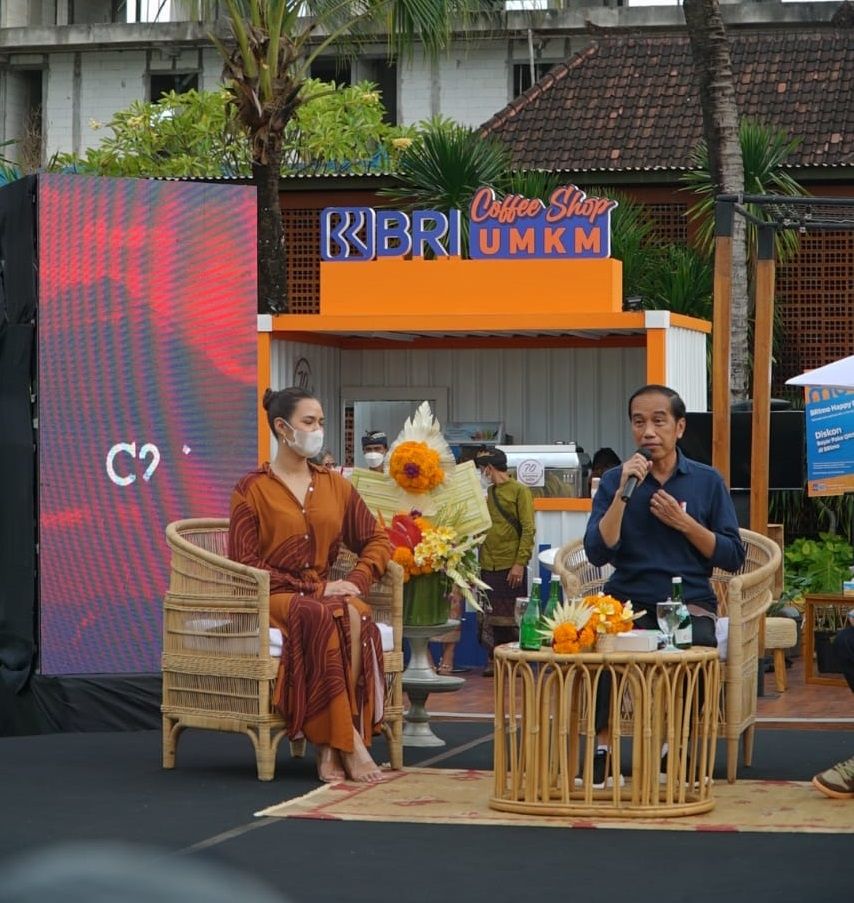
(605, 642)
(425, 600)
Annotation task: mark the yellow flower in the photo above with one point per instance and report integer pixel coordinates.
(401, 143)
(610, 615)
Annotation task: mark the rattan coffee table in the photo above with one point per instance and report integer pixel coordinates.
(545, 736)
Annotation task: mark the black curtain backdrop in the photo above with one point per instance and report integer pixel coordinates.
(18, 295)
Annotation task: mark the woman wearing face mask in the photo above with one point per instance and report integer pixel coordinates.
(289, 517)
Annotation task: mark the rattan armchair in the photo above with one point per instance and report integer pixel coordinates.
(743, 598)
(217, 670)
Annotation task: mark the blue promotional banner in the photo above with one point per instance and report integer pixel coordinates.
(829, 433)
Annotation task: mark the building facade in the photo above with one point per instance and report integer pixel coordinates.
(68, 65)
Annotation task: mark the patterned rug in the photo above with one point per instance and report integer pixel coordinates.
(455, 796)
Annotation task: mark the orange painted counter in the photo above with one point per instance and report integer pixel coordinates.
(552, 504)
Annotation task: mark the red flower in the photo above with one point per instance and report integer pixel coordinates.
(404, 531)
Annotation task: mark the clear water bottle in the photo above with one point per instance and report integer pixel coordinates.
(683, 638)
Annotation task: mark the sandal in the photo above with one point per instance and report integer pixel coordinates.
(445, 668)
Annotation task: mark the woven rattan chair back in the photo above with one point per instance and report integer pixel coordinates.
(743, 597)
(217, 670)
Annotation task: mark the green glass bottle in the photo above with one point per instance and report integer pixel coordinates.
(529, 630)
(683, 638)
(554, 596)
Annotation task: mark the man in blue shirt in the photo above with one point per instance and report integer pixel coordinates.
(678, 521)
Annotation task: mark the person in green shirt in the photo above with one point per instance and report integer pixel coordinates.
(505, 552)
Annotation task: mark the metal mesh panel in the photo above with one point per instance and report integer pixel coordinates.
(671, 223)
(349, 441)
(302, 244)
(815, 292)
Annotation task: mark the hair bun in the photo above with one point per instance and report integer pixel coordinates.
(269, 394)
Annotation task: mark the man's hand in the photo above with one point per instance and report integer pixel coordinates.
(341, 588)
(514, 576)
(669, 511)
(637, 466)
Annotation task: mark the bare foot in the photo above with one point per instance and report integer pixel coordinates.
(359, 765)
(329, 767)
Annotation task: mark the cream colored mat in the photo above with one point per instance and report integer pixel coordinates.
(453, 796)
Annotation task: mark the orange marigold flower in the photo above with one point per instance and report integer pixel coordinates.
(586, 638)
(416, 467)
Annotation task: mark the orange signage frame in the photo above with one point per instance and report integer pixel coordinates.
(445, 287)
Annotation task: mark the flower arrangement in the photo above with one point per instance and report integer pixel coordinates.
(609, 615)
(569, 627)
(575, 624)
(424, 546)
(416, 467)
(436, 542)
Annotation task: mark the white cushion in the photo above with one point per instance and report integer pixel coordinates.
(721, 635)
(386, 635)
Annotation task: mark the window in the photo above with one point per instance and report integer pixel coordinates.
(522, 75)
(332, 69)
(162, 83)
(384, 75)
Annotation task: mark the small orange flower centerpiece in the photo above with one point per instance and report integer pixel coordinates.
(610, 616)
(579, 624)
(569, 627)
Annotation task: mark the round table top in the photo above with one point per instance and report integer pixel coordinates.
(512, 652)
(421, 630)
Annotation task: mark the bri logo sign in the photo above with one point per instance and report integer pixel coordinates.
(571, 226)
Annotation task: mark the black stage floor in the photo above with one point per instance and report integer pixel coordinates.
(102, 787)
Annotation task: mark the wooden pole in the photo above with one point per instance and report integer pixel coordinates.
(721, 342)
(762, 330)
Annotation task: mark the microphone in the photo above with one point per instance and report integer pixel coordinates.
(633, 481)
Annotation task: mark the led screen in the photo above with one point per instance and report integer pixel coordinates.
(146, 399)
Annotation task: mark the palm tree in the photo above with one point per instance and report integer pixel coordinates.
(713, 70)
(445, 165)
(267, 55)
(764, 151)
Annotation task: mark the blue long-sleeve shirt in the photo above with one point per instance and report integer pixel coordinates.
(649, 554)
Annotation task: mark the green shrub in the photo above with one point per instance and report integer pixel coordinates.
(817, 566)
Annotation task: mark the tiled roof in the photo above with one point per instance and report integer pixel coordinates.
(630, 103)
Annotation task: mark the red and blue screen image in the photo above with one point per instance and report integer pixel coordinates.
(146, 399)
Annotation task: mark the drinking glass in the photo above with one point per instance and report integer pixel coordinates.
(668, 620)
(519, 609)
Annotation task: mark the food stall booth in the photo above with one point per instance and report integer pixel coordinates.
(540, 345)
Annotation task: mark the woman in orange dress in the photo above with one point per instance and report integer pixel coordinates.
(290, 517)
